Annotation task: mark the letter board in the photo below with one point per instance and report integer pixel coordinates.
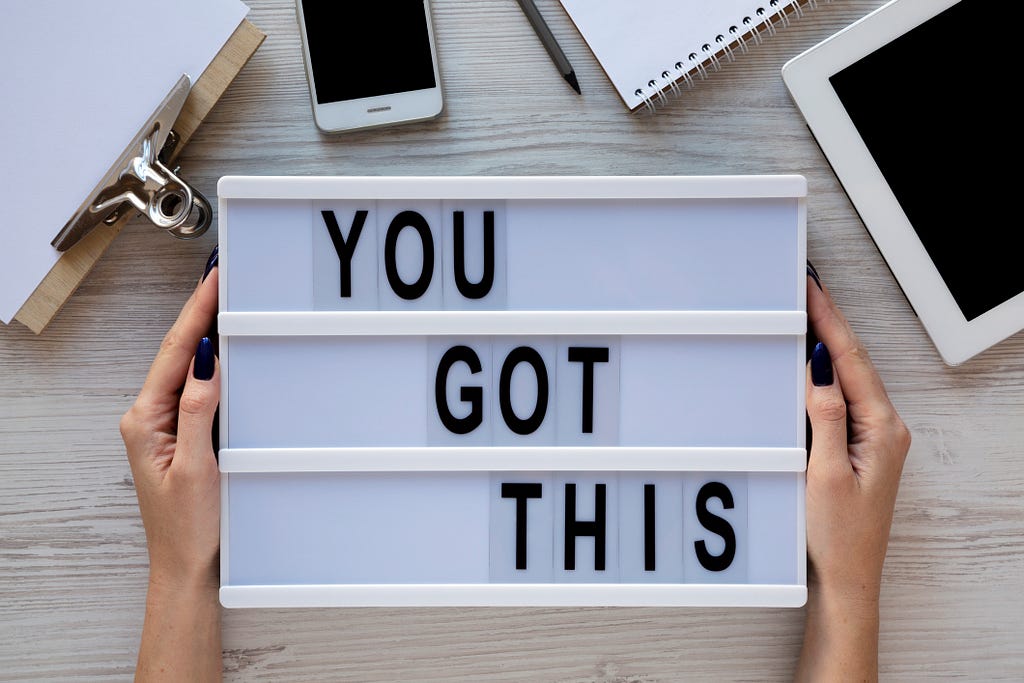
(512, 391)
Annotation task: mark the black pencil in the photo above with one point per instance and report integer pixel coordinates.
(550, 44)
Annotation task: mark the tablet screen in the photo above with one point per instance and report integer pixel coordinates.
(933, 111)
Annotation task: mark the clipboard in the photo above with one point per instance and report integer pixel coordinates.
(69, 272)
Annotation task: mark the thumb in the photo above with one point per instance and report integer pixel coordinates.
(826, 409)
(197, 407)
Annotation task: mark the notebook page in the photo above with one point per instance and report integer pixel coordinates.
(80, 80)
(636, 40)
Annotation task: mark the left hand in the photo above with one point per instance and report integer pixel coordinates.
(167, 434)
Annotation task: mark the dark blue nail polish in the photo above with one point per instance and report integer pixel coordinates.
(203, 367)
(812, 272)
(211, 262)
(821, 366)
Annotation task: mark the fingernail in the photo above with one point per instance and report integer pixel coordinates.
(203, 367)
(812, 273)
(821, 366)
(211, 262)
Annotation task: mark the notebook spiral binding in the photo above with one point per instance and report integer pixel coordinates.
(694, 66)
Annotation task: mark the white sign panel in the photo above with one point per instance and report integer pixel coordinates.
(508, 391)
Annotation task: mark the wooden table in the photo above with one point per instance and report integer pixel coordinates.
(72, 550)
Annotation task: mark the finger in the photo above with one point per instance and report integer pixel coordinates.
(198, 405)
(826, 409)
(167, 375)
(862, 386)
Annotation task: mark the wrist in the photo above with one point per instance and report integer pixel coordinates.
(841, 634)
(174, 595)
(850, 612)
(181, 637)
(176, 579)
(854, 597)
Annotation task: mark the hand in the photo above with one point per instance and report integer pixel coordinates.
(859, 446)
(168, 436)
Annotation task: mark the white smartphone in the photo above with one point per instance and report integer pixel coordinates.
(370, 63)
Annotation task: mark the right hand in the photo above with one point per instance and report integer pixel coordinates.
(859, 446)
(856, 459)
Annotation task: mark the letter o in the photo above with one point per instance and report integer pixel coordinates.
(523, 354)
(414, 290)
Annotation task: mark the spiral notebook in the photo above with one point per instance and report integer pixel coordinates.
(651, 49)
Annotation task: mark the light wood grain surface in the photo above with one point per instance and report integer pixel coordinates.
(72, 550)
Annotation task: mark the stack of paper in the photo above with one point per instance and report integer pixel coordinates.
(80, 80)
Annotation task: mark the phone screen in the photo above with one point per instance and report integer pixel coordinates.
(367, 49)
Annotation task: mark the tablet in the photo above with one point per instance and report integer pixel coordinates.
(909, 105)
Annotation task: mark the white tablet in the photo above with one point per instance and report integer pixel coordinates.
(910, 105)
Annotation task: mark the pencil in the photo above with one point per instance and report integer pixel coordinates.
(550, 44)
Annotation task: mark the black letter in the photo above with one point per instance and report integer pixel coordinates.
(480, 289)
(475, 395)
(521, 492)
(588, 355)
(649, 527)
(345, 249)
(523, 354)
(575, 528)
(717, 525)
(409, 219)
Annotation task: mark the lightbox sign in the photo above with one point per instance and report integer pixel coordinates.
(512, 391)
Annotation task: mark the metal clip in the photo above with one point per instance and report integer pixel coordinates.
(141, 180)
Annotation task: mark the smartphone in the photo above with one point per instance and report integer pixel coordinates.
(370, 63)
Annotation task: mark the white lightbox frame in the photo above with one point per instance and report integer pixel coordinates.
(790, 323)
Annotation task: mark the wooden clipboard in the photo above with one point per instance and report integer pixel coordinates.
(67, 274)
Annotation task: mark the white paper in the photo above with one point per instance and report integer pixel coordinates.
(80, 80)
(637, 41)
